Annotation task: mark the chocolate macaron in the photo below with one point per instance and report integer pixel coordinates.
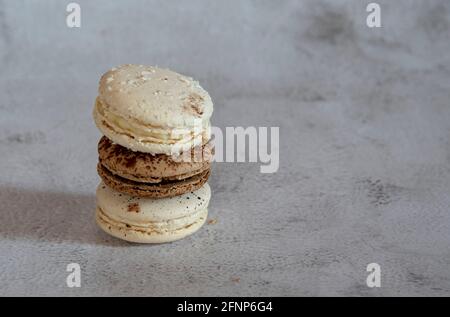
(154, 176)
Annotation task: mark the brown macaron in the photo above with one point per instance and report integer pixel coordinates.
(153, 176)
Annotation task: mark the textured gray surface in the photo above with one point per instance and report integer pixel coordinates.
(364, 120)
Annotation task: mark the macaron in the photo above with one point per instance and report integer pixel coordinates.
(145, 220)
(152, 110)
(155, 176)
(155, 155)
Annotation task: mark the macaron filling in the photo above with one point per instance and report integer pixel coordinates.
(106, 173)
(163, 189)
(145, 132)
(153, 227)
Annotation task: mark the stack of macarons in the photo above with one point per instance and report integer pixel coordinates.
(155, 155)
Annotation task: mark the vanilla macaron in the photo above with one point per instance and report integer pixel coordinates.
(144, 220)
(153, 110)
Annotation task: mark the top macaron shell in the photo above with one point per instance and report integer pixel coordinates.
(155, 96)
(152, 110)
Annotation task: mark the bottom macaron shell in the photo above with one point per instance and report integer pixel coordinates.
(136, 235)
(150, 190)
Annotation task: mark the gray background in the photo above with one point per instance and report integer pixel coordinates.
(364, 121)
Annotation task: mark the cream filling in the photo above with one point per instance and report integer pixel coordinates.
(157, 227)
(145, 132)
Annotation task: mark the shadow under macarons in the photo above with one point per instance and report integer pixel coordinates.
(57, 217)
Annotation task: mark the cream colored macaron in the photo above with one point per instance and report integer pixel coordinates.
(145, 220)
(152, 110)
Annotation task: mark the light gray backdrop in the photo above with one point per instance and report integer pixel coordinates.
(364, 119)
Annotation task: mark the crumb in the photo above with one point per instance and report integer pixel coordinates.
(134, 207)
(193, 105)
(212, 221)
(235, 279)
